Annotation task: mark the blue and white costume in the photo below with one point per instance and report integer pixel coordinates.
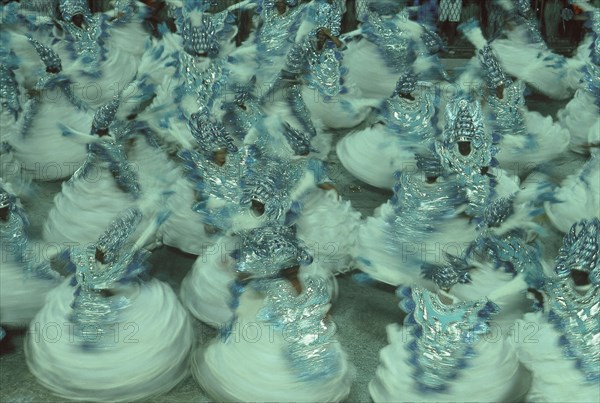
(560, 343)
(446, 350)
(51, 139)
(123, 337)
(403, 127)
(431, 213)
(523, 135)
(25, 275)
(577, 197)
(292, 354)
(103, 186)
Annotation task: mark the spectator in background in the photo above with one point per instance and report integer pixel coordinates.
(552, 19)
(449, 17)
(492, 18)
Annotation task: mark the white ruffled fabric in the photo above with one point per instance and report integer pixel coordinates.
(153, 339)
(22, 295)
(493, 375)
(373, 155)
(368, 70)
(578, 196)
(328, 226)
(547, 72)
(124, 46)
(555, 378)
(342, 111)
(45, 153)
(545, 141)
(401, 264)
(508, 292)
(184, 228)
(205, 290)
(86, 206)
(581, 118)
(251, 365)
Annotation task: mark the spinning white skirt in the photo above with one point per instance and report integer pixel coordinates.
(555, 377)
(22, 295)
(396, 258)
(368, 70)
(205, 290)
(251, 365)
(374, 154)
(44, 151)
(328, 226)
(581, 117)
(493, 375)
(545, 141)
(85, 207)
(147, 355)
(507, 292)
(184, 228)
(578, 196)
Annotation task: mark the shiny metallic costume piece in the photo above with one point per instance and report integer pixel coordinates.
(442, 336)
(271, 181)
(301, 319)
(13, 234)
(508, 252)
(325, 72)
(310, 346)
(112, 152)
(112, 240)
(591, 77)
(105, 115)
(245, 177)
(272, 36)
(455, 271)
(595, 46)
(15, 242)
(95, 313)
(206, 84)
(71, 8)
(267, 250)
(464, 124)
(49, 57)
(494, 73)
(394, 44)
(200, 40)
(9, 91)
(411, 118)
(110, 149)
(418, 207)
(524, 16)
(51, 79)
(509, 112)
(219, 182)
(574, 311)
(201, 30)
(328, 15)
(244, 110)
(210, 135)
(300, 110)
(87, 43)
(298, 140)
(319, 69)
(406, 84)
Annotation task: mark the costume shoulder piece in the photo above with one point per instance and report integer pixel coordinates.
(575, 309)
(443, 336)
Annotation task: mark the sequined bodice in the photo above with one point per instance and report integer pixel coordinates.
(443, 336)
